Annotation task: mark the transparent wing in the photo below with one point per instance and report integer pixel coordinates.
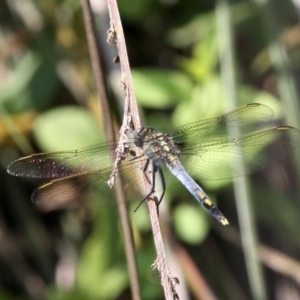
(64, 163)
(238, 156)
(91, 189)
(94, 158)
(82, 176)
(243, 120)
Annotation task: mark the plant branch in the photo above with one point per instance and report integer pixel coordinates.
(131, 120)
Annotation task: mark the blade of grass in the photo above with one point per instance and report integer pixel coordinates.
(279, 59)
(241, 191)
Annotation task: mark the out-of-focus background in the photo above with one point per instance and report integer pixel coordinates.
(190, 60)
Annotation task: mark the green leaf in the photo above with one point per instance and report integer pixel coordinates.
(100, 259)
(160, 89)
(207, 100)
(66, 128)
(190, 223)
(32, 84)
(196, 30)
(14, 92)
(93, 269)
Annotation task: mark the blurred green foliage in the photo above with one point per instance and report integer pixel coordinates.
(174, 49)
(59, 135)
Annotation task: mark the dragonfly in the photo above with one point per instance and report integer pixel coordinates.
(234, 144)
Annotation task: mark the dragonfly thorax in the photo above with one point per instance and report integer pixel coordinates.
(156, 145)
(141, 134)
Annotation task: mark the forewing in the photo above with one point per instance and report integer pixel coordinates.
(233, 157)
(65, 163)
(241, 121)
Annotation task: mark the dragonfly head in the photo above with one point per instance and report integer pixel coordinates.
(141, 134)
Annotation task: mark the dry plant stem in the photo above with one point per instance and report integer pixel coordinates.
(271, 258)
(95, 55)
(196, 280)
(131, 116)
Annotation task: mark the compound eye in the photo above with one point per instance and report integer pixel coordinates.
(137, 133)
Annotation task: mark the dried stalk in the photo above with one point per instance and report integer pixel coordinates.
(131, 119)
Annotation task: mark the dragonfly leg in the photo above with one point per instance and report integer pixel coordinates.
(145, 169)
(162, 178)
(163, 182)
(155, 169)
(146, 165)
